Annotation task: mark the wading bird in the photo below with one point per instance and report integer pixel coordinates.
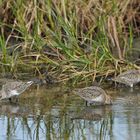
(12, 88)
(129, 78)
(94, 95)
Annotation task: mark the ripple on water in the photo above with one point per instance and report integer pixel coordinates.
(49, 114)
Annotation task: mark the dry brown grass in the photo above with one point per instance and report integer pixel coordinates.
(71, 39)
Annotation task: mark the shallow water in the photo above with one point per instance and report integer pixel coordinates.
(50, 113)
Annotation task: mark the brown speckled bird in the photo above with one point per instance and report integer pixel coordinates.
(94, 95)
(12, 88)
(129, 78)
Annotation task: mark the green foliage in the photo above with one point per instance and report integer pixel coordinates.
(71, 39)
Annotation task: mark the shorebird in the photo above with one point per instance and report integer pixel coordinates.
(12, 88)
(129, 78)
(94, 95)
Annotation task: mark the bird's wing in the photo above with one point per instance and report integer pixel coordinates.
(90, 93)
(127, 73)
(12, 85)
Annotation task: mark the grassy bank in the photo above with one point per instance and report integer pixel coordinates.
(77, 40)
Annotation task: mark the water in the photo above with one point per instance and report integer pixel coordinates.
(49, 113)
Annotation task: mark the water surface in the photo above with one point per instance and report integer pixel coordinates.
(50, 113)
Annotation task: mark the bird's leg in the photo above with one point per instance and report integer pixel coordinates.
(131, 89)
(10, 100)
(16, 99)
(87, 103)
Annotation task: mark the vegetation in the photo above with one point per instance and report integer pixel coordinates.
(78, 40)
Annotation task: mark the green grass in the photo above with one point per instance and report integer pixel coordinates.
(72, 40)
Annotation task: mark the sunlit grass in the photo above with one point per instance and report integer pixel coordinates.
(78, 40)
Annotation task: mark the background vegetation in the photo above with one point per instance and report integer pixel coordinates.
(70, 39)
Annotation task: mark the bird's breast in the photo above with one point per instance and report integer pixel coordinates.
(14, 92)
(99, 98)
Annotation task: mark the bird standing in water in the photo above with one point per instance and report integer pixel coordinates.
(12, 88)
(129, 78)
(94, 95)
